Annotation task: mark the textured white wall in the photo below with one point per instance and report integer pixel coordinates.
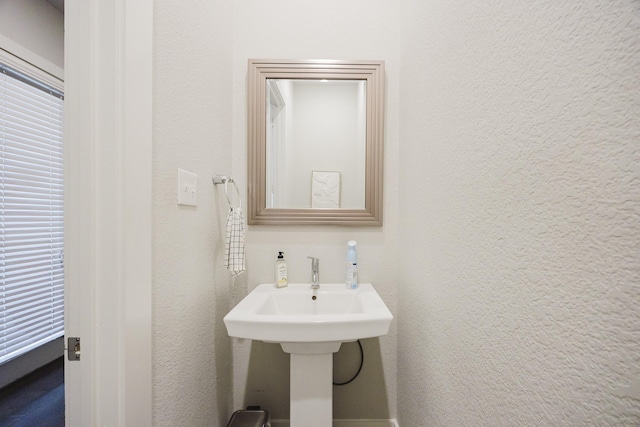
(334, 29)
(192, 356)
(520, 196)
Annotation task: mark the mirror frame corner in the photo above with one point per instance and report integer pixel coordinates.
(262, 69)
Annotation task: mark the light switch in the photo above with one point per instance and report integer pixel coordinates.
(187, 188)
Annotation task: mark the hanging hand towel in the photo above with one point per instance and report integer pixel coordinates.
(234, 244)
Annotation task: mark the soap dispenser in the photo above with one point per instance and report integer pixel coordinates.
(281, 271)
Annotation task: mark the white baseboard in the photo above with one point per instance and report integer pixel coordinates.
(347, 423)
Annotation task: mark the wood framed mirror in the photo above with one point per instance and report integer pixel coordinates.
(315, 142)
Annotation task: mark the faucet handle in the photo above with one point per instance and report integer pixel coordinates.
(314, 262)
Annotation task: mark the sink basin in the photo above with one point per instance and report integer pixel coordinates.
(298, 314)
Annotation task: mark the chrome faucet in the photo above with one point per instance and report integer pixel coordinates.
(315, 272)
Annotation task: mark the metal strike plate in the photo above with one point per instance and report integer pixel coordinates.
(73, 348)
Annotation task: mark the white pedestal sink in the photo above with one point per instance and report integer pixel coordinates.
(310, 325)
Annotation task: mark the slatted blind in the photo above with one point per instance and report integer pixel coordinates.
(31, 214)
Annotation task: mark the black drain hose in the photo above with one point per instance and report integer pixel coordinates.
(359, 369)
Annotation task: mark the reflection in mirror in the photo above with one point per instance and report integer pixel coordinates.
(316, 136)
(315, 142)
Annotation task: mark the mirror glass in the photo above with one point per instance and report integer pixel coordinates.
(315, 142)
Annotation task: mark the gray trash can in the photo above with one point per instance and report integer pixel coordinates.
(249, 418)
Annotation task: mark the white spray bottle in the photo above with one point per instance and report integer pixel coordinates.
(352, 265)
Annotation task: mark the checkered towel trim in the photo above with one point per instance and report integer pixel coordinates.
(234, 243)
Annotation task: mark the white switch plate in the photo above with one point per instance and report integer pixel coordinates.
(187, 188)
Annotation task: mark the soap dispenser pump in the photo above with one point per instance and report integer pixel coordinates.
(281, 271)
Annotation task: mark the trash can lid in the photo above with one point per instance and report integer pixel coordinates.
(249, 418)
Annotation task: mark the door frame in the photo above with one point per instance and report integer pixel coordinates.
(108, 210)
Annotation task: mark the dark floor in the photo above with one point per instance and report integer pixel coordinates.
(35, 400)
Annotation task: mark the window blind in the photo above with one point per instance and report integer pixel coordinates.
(31, 213)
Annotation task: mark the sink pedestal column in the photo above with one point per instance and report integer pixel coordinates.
(311, 390)
(311, 394)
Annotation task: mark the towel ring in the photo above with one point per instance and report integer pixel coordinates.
(222, 179)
